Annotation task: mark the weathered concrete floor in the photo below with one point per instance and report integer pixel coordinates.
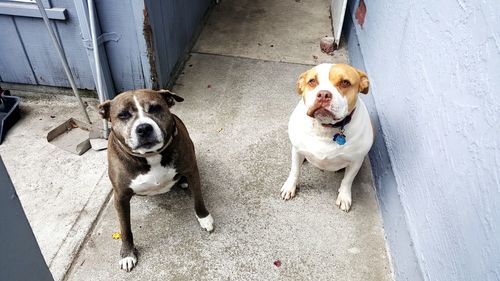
(284, 31)
(61, 193)
(236, 111)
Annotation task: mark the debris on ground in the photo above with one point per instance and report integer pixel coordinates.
(116, 236)
(277, 263)
(220, 130)
(328, 45)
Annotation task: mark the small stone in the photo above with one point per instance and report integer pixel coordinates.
(328, 45)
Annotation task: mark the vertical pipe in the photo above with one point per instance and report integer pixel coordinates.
(97, 59)
(62, 57)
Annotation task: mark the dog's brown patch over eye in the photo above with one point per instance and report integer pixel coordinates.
(307, 80)
(349, 81)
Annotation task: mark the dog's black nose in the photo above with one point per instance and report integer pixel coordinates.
(144, 130)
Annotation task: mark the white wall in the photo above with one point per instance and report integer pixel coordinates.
(434, 68)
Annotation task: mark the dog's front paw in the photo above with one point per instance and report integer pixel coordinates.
(344, 200)
(207, 223)
(288, 189)
(129, 262)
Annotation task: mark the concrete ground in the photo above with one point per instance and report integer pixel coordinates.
(238, 97)
(61, 193)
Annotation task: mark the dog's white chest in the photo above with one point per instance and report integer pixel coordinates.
(157, 180)
(317, 144)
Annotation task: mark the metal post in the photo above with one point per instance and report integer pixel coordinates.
(97, 60)
(63, 58)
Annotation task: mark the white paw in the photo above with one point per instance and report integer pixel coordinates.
(288, 190)
(128, 263)
(344, 200)
(184, 185)
(207, 223)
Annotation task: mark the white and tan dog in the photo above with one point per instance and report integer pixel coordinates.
(330, 127)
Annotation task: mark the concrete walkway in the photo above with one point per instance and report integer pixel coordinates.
(238, 87)
(239, 90)
(61, 193)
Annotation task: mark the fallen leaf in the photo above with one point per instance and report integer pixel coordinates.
(116, 236)
(277, 263)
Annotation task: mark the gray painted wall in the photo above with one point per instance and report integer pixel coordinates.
(404, 262)
(434, 69)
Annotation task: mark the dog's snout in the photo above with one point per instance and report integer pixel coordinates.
(324, 95)
(144, 130)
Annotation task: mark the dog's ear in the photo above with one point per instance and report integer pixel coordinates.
(364, 83)
(170, 97)
(104, 109)
(301, 84)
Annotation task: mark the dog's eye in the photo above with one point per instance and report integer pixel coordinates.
(312, 82)
(154, 108)
(345, 84)
(124, 115)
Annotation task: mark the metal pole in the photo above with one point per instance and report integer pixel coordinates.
(63, 58)
(97, 59)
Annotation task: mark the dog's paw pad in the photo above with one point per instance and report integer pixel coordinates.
(207, 223)
(128, 263)
(344, 201)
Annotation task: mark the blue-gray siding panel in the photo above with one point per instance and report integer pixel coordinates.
(14, 64)
(125, 55)
(138, 10)
(41, 53)
(71, 39)
(174, 24)
(40, 50)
